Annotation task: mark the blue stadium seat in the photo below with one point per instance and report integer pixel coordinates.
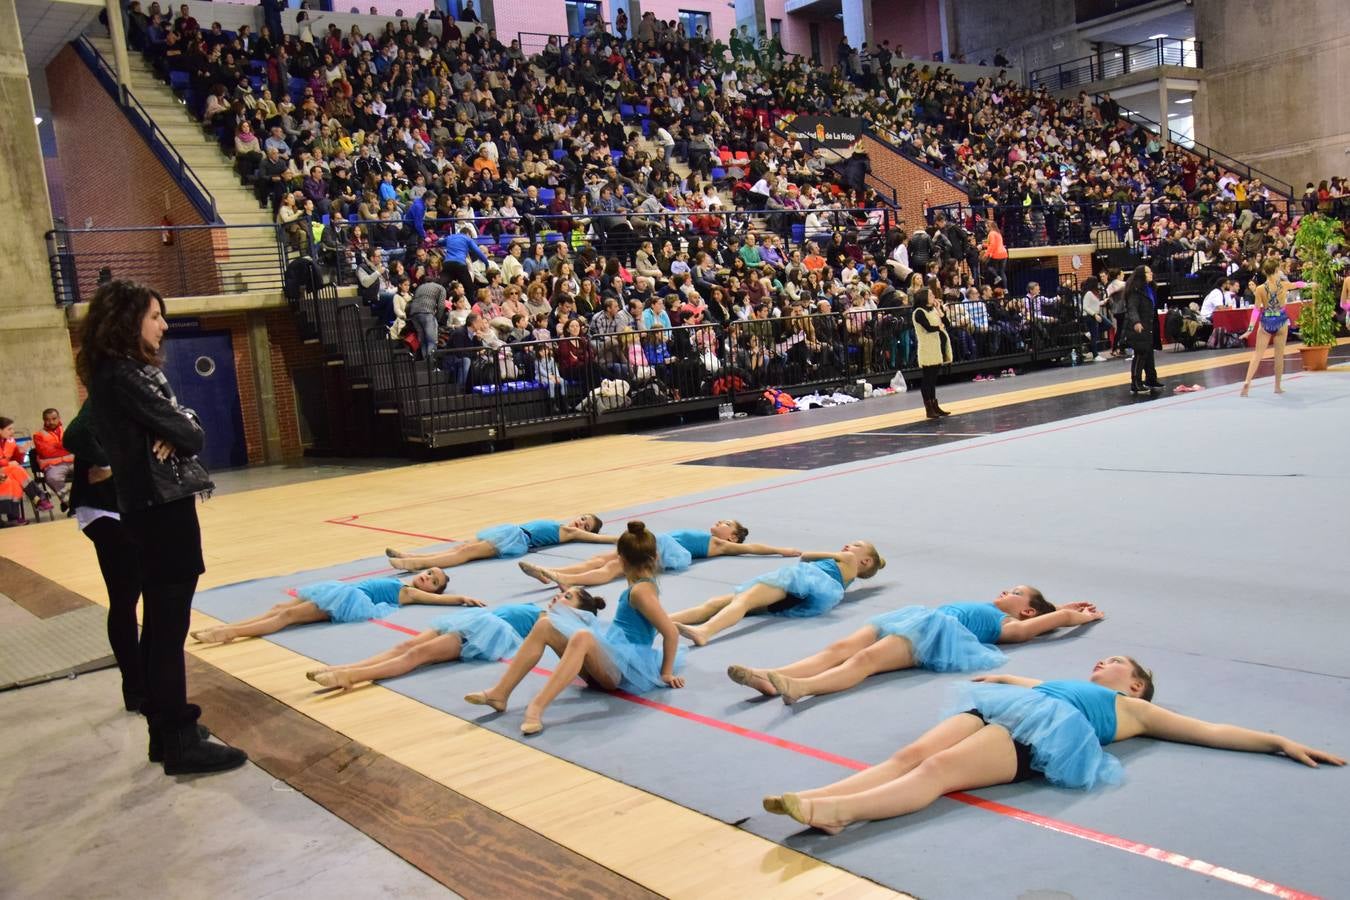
(616, 155)
(626, 110)
(646, 127)
(179, 81)
(327, 219)
(718, 173)
(559, 155)
(798, 233)
(643, 110)
(546, 195)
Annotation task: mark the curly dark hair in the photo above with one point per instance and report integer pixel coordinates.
(113, 327)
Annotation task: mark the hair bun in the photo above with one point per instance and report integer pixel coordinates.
(599, 603)
(881, 562)
(636, 527)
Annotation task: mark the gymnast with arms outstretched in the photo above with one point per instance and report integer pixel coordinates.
(468, 634)
(619, 657)
(339, 601)
(813, 586)
(507, 542)
(677, 551)
(1020, 728)
(951, 638)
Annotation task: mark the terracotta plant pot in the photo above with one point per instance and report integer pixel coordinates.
(1314, 358)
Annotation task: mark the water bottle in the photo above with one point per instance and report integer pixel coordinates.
(725, 411)
(1073, 357)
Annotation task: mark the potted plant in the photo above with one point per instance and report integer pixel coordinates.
(1315, 243)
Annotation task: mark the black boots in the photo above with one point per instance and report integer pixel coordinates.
(183, 747)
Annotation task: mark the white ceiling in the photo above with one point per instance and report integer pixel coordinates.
(46, 27)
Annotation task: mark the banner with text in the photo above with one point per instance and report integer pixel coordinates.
(824, 131)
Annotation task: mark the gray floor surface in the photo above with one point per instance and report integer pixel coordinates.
(86, 816)
(1201, 524)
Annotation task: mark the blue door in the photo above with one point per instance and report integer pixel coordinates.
(200, 367)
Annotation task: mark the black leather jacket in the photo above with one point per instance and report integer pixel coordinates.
(130, 413)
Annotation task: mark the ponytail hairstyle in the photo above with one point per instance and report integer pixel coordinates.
(878, 562)
(588, 601)
(1144, 675)
(637, 550)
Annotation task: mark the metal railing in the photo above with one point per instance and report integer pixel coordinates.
(144, 123)
(893, 142)
(178, 261)
(585, 382)
(1112, 61)
(1205, 152)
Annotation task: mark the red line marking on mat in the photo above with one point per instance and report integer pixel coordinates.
(350, 522)
(396, 627)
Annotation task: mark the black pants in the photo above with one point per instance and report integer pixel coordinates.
(169, 552)
(458, 271)
(928, 385)
(117, 560)
(1142, 371)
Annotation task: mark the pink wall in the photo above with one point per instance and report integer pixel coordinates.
(514, 16)
(913, 25)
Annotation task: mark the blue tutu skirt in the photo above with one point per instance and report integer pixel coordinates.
(481, 634)
(1064, 748)
(940, 642)
(814, 591)
(510, 540)
(344, 602)
(674, 558)
(636, 668)
(1273, 324)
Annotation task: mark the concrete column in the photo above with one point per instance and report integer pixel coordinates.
(118, 36)
(858, 22)
(34, 342)
(944, 19)
(260, 346)
(1166, 129)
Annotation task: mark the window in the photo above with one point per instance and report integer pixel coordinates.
(581, 14)
(691, 21)
(776, 29)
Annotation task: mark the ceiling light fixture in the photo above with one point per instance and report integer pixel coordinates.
(37, 120)
(1156, 37)
(1187, 100)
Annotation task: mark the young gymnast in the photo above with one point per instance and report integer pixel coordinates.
(950, 638)
(1014, 729)
(507, 542)
(677, 550)
(620, 657)
(1269, 311)
(807, 588)
(339, 601)
(470, 634)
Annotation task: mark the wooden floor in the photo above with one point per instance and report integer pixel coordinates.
(645, 839)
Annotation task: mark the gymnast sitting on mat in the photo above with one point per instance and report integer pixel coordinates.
(950, 638)
(1009, 729)
(339, 601)
(676, 549)
(618, 657)
(470, 634)
(507, 541)
(800, 590)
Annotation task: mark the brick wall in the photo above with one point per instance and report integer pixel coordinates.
(916, 187)
(289, 355)
(109, 174)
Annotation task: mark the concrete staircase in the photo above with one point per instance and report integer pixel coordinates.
(251, 251)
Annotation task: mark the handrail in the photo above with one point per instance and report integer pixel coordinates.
(892, 141)
(1182, 52)
(140, 118)
(1279, 185)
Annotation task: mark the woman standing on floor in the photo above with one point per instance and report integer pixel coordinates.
(1269, 313)
(93, 496)
(152, 444)
(935, 345)
(1141, 330)
(1014, 729)
(620, 657)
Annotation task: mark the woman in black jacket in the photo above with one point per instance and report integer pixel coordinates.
(151, 444)
(1141, 330)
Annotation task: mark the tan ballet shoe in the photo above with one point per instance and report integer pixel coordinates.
(480, 698)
